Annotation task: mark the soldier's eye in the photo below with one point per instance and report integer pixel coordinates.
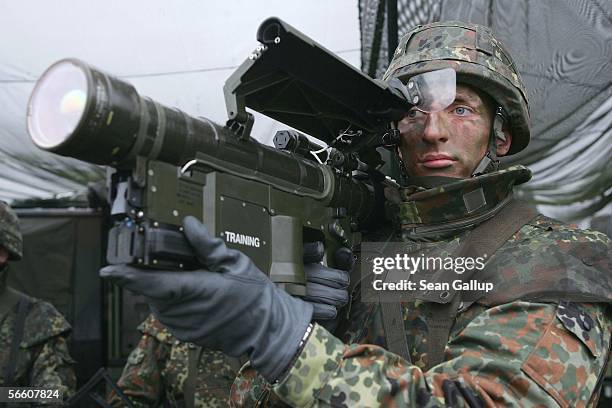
(462, 111)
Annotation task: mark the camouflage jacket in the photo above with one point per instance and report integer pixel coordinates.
(156, 372)
(43, 360)
(504, 349)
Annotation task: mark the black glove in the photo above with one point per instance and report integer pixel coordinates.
(229, 306)
(326, 288)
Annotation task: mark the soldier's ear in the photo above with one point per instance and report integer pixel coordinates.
(503, 143)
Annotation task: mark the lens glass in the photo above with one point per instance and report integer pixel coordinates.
(57, 104)
(436, 89)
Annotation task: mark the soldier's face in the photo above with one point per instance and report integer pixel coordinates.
(450, 142)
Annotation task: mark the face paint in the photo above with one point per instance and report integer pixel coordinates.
(450, 142)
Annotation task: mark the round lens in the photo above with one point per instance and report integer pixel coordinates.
(57, 104)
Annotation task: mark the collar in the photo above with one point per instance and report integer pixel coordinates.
(455, 205)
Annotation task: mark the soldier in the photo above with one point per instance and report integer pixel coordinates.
(163, 371)
(540, 338)
(33, 346)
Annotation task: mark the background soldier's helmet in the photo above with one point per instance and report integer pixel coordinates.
(10, 234)
(480, 61)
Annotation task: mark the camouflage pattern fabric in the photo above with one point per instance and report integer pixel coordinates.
(519, 353)
(43, 360)
(549, 260)
(443, 205)
(514, 347)
(156, 372)
(10, 234)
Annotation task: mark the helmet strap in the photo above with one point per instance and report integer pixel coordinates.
(3, 277)
(490, 162)
(402, 169)
(391, 141)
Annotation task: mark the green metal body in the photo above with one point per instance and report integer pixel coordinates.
(265, 217)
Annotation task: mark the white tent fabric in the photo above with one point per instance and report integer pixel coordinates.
(178, 53)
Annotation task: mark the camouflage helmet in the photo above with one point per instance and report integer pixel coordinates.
(479, 60)
(10, 234)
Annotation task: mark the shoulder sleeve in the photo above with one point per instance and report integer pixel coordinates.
(547, 261)
(43, 322)
(141, 379)
(521, 353)
(53, 367)
(154, 328)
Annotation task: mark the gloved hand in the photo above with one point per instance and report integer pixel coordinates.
(229, 306)
(326, 288)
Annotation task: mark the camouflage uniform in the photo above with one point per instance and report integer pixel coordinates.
(541, 338)
(156, 372)
(43, 359)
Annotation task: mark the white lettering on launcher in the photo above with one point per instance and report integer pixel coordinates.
(242, 239)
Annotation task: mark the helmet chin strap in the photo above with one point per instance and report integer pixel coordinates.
(3, 276)
(490, 163)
